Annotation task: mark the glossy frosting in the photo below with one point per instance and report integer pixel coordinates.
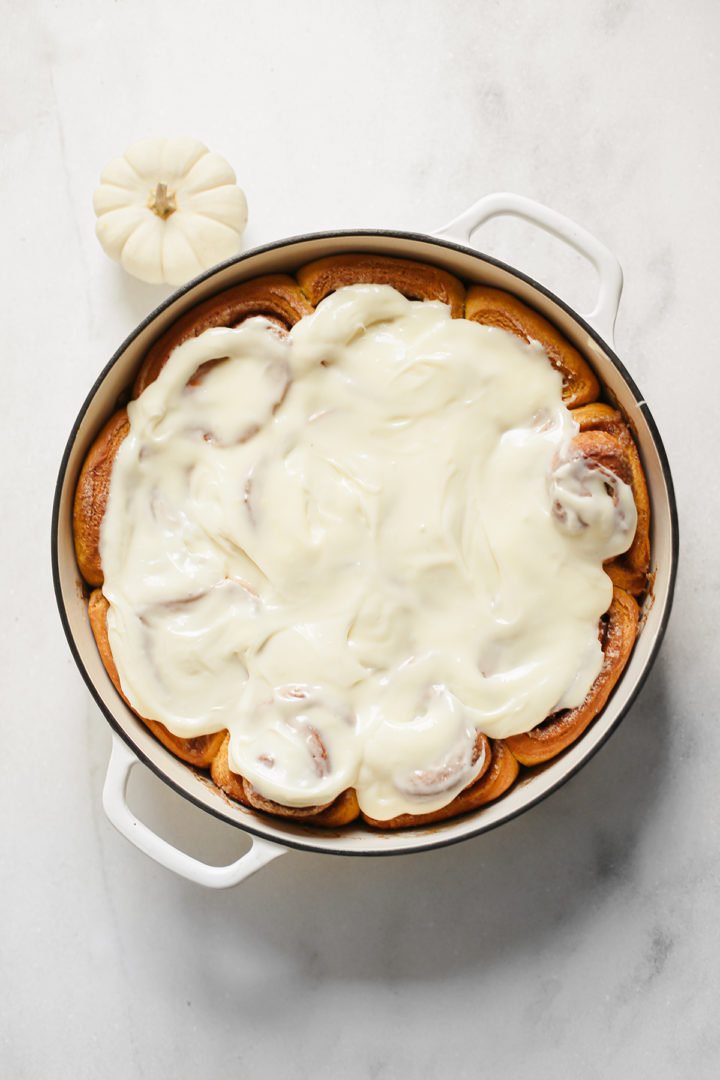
(356, 547)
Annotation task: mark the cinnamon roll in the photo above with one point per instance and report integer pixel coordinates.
(494, 307)
(339, 811)
(415, 280)
(630, 570)
(91, 495)
(275, 296)
(618, 630)
(498, 775)
(200, 750)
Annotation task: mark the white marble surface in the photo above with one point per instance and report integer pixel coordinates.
(579, 940)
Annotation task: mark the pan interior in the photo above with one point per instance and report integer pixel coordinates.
(471, 267)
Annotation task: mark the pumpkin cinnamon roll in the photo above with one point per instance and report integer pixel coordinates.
(498, 775)
(91, 495)
(340, 811)
(276, 297)
(630, 570)
(199, 750)
(495, 307)
(618, 630)
(416, 281)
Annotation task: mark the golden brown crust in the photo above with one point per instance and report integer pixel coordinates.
(495, 307)
(224, 777)
(91, 496)
(597, 416)
(199, 751)
(417, 281)
(500, 776)
(618, 631)
(341, 811)
(276, 296)
(500, 772)
(630, 570)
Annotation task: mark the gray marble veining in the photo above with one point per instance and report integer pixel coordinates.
(579, 940)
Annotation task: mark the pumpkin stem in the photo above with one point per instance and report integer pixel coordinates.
(161, 203)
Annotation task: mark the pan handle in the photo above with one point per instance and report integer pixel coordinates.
(610, 277)
(121, 762)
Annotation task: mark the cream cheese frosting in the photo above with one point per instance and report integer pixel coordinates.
(356, 547)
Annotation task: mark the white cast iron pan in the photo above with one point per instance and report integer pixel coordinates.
(591, 334)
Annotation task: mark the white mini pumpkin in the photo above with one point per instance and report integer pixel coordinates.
(169, 209)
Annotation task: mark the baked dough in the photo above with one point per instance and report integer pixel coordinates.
(493, 307)
(617, 635)
(200, 751)
(416, 281)
(630, 570)
(276, 296)
(91, 496)
(500, 774)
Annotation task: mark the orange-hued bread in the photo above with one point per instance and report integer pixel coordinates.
(618, 630)
(199, 751)
(494, 307)
(630, 570)
(276, 296)
(341, 811)
(91, 496)
(417, 281)
(500, 773)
